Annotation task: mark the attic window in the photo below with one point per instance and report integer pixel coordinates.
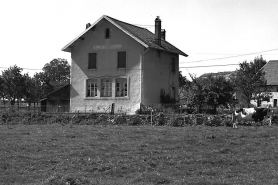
(107, 33)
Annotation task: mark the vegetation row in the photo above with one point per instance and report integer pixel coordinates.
(157, 119)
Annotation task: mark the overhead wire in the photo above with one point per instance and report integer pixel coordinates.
(191, 62)
(230, 56)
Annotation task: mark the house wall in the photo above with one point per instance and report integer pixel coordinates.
(106, 49)
(274, 92)
(157, 75)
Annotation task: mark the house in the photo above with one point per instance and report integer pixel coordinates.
(120, 65)
(57, 101)
(271, 76)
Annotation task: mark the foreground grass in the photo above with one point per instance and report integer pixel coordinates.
(86, 154)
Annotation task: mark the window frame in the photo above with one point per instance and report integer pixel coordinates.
(92, 90)
(121, 88)
(106, 87)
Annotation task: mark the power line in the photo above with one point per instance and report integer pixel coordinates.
(224, 54)
(211, 66)
(230, 56)
(21, 68)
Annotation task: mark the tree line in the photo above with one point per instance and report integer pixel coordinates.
(14, 85)
(217, 90)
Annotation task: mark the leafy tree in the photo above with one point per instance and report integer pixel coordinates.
(195, 92)
(43, 85)
(182, 80)
(30, 90)
(212, 91)
(221, 91)
(249, 77)
(13, 83)
(57, 73)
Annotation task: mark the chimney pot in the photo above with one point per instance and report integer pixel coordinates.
(88, 25)
(158, 30)
(163, 34)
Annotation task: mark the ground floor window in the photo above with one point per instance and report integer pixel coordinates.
(106, 87)
(92, 88)
(121, 87)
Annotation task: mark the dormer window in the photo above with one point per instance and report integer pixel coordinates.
(107, 33)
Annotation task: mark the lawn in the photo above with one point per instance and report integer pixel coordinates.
(90, 154)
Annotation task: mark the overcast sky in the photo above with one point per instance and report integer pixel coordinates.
(34, 32)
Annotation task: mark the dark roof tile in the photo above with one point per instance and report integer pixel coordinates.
(142, 34)
(271, 72)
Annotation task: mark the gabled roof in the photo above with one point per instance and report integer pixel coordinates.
(141, 35)
(271, 72)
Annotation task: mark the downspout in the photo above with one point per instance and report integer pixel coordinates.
(142, 67)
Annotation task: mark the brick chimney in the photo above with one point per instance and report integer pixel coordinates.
(158, 30)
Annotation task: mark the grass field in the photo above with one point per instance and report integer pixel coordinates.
(87, 154)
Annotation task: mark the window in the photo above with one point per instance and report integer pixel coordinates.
(107, 33)
(92, 88)
(121, 87)
(106, 87)
(92, 63)
(122, 59)
(173, 65)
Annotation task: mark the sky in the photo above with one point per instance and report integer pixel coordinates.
(211, 32)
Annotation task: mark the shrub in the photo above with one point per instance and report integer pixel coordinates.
(160, 120)
(136, 120)
(120, 120)
(215, 121)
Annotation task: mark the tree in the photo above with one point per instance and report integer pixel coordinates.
(43, 85)
(57, 73)
(195, 92)
(13, 83)
(30, 90)
(2, 93)
(212, 91)
(221, 91)
(249, 77)
(182, 80)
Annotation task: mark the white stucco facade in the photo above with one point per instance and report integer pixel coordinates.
(147, 71)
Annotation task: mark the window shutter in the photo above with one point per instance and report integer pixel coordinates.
(92, 61)
(122, 59)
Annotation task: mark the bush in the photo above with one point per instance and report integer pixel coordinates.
(160, 119)
(215, 121)
(120, 120)
(136, 120)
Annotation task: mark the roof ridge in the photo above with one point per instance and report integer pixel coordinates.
(126, 23)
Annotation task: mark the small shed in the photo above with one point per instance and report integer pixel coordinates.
(57, 101)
